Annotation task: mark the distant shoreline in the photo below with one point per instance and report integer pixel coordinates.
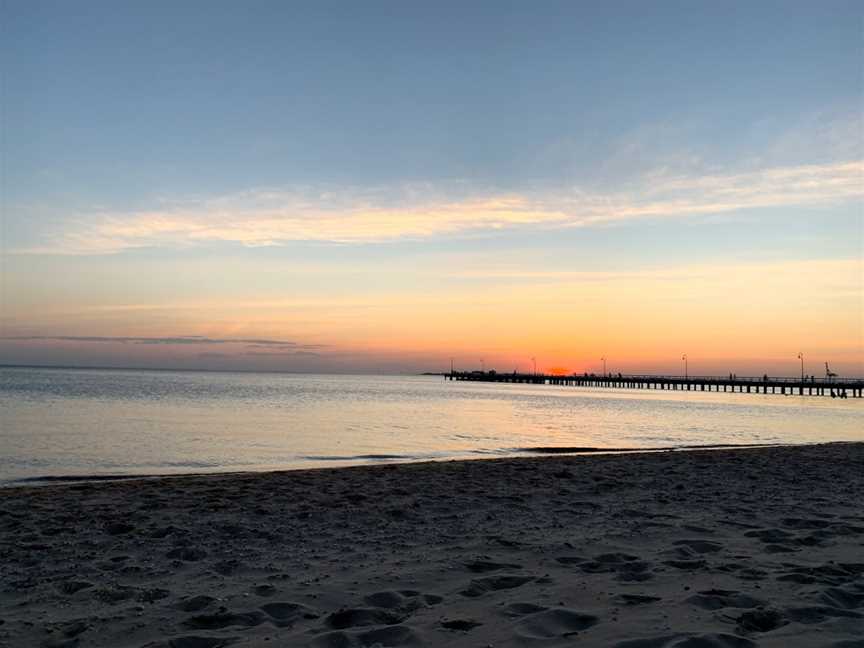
(259, 371)
(188, 370)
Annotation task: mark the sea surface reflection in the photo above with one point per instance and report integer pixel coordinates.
(85, 422)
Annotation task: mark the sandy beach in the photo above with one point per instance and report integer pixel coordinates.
(721, 549)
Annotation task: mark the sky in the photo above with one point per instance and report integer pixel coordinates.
(384, 186)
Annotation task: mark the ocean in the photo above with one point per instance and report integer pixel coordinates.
(58, 423)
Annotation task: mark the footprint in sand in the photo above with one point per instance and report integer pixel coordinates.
(752, 574)
(819, 614)
(402, 600)
(553, 623)
(187, 554)
(824, 574)
(397, 635)
(523, 609)
(114, 595)
(804, 524)
(715, 599)
(778, 548)
(687, 565)
(164, 532)
(846, 529)
(119, 528)
(224, 620)
(461, 625)
(737, 524)
(628, 568)
(227, 567)
(798, 579)
(682, 553)
(761, 621)
(700, 546)
(571, 560)
(484, 566)
(719, 640)
(635, 599)
(606, 563)
(842, 598)
(692, 528)
(770, 536)
(853, 568)
(285, 614)
(354, 617)
(816, 539)
(70, 587)
(480, 586)
(152, 595)
(66, 633)
(615, 558)
(194, 604)
(192, 641)
(634, 572)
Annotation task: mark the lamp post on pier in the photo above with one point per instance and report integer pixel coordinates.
(686, 368)
(483, 365)
(534, 360)
(801, 358)
(604, 364)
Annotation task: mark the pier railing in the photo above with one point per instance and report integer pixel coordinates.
(836, 387)
(752, 379)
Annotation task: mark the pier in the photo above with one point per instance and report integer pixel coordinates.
(809, 386)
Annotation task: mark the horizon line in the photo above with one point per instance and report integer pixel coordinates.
(365, 373)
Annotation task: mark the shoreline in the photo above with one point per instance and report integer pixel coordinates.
(701, 549)
(396, 460)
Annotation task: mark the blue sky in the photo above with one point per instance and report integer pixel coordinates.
(393, 136)
(113, 102)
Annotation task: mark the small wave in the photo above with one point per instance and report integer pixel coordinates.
(593, 449)
(364, 457)
(714, 446)
(487, 452)
(75, 478)
(582, 449)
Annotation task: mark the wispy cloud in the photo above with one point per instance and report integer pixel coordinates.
(179, 340)
(282, 354)
(275, 217)
(841, 269)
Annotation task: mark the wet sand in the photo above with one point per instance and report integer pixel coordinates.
(713, 549)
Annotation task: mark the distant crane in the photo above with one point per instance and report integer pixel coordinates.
(829, 375)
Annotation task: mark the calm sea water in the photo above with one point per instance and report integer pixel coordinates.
(61, 422)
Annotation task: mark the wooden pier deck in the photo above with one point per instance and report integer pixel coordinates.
(835, 388)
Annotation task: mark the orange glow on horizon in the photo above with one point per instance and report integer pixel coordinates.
(721, 316)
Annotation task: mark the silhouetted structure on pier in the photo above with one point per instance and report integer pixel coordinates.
(812, 386)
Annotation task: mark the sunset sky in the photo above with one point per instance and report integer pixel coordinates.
(381, 186)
